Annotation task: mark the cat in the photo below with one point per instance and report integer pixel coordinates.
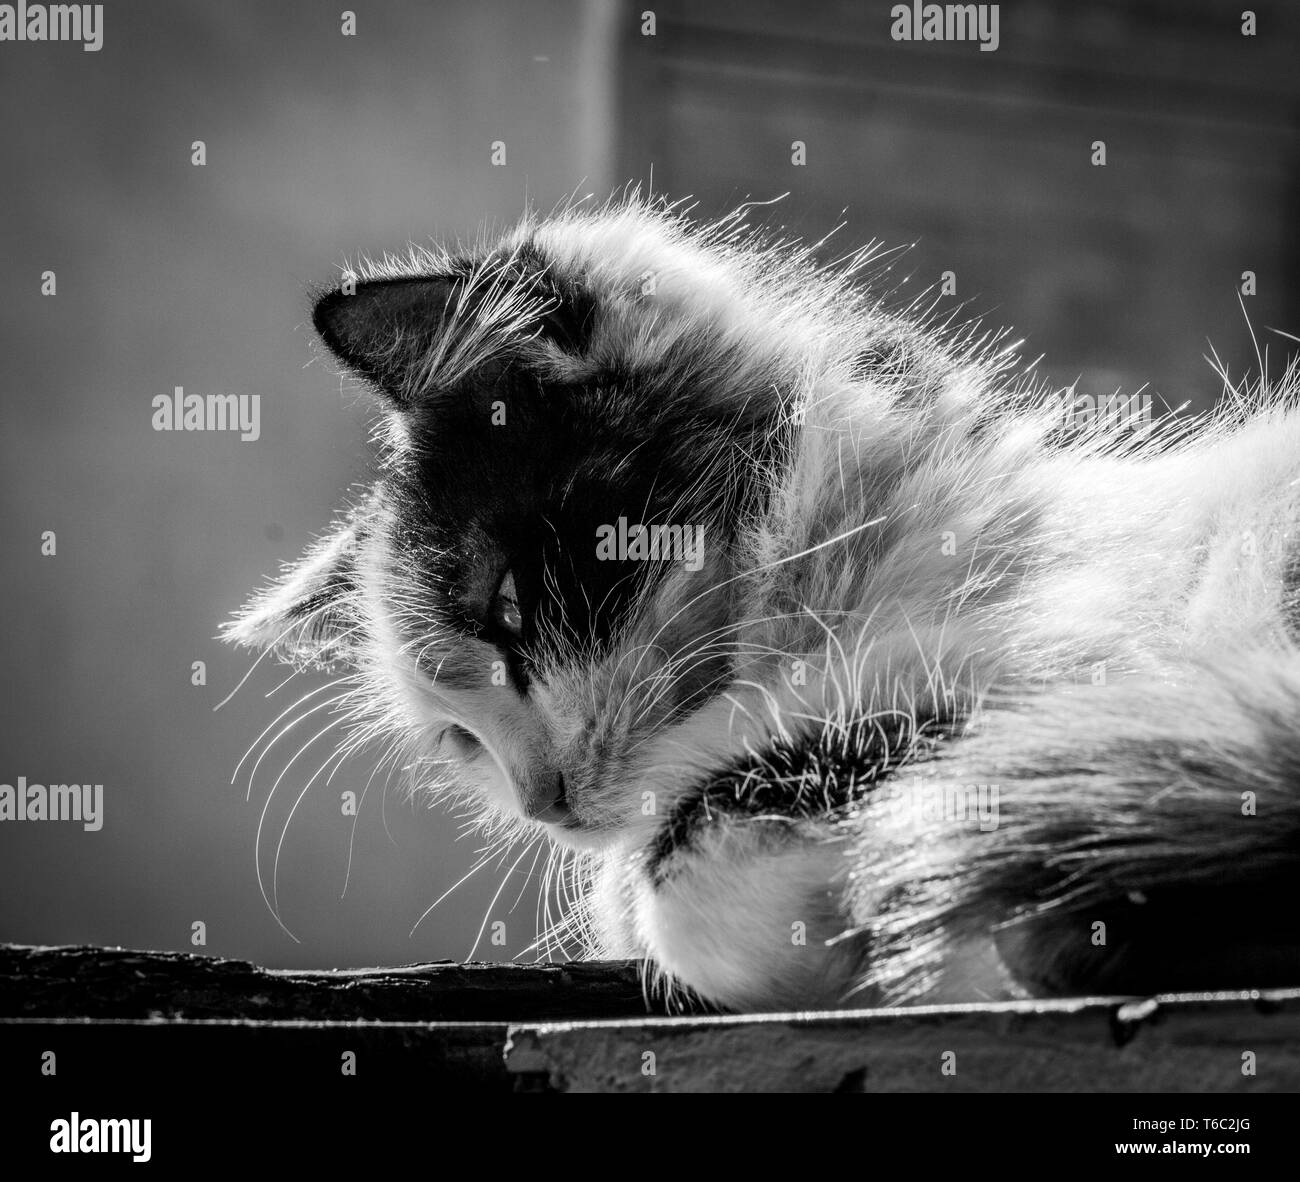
(957, 701)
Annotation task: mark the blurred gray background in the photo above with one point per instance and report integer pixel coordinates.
(320, 146)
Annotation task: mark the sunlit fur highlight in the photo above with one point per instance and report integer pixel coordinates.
(930, 547)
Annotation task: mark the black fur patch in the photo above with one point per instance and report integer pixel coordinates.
(529, 495)
(812, 777)
(573, 308)
(475, 496)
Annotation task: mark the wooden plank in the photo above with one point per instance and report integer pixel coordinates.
(1178, 1043)
(113, 1058)
(115, 983)
(115, 1018)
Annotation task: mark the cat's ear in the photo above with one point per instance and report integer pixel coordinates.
(310, 615)
(388, 330)
(406, 334)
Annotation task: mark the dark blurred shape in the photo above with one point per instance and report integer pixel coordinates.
(1124, 274)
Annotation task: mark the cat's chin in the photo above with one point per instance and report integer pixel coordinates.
(573, 834)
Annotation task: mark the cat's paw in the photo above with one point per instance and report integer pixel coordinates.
(745, 914)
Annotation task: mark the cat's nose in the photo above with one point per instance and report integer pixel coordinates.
(542, 797)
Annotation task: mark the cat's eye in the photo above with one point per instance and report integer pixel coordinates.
(503, 611)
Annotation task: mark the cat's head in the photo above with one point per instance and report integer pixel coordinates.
(575, 422)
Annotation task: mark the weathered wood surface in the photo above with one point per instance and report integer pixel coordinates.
(119, 983)
(1178, 1043)
(477, 1027)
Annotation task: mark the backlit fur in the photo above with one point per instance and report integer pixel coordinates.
(915, 580)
